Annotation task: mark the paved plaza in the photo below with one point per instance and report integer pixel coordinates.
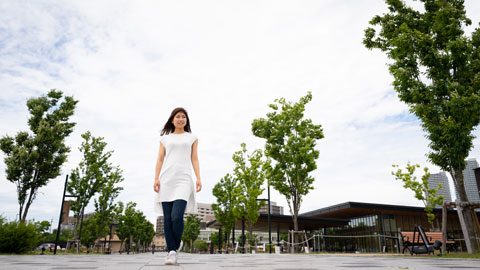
(228, 261)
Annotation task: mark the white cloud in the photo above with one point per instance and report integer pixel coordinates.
(130, 63)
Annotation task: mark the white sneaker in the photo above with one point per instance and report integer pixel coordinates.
(171, 258)
(180, 247)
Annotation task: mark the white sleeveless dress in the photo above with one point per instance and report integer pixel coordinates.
(176, 181)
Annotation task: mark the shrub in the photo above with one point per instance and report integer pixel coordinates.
(200, 245)
(17, 237)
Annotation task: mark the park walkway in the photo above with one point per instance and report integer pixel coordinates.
(227, 261)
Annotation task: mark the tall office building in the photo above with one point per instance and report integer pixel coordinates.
(470, 181)
(440, 178)
(477, 177)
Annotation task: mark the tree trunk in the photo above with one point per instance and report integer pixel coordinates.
(27, 206)
(295, 224)
(75, 228)
(20, 211)
(81, 222)
(467, 212)
(250, 237)
(227, 233)
(129, 244)
(29, 201)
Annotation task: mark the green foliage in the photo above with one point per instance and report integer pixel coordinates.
(32, 159)
(89, 231)
(249, 176)
(43, 228)
(436, 71)
(105, 204)
(214, 239)
(132, 224)
(251, 238)
(65, 235)
(18, 237)
(200, 245)
(284, 237)
(422, 192)
(92, 173)
(291, 142)
(223, 210)
(144, 232)
(191, 230)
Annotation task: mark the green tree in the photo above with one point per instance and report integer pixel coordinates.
(146, 233)
(214, 239)
(33, 159)
(191, 230)
(423, 193)
(43, 228)
(435, 67)
(90, 176)
(249, 174)
(127, 223)
(90, 229)
(133, 227)
(120, 231)
(143, 233)
(223, 209)
(291, 142)
(105, 204)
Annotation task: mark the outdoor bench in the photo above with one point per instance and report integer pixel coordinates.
(414, 241)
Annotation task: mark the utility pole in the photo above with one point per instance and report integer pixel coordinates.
(60, 218)
(269, 226)
(61, 214)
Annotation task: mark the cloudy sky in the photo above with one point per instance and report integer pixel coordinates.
(129, 63)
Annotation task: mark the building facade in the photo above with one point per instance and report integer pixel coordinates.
(470, 181)
(204, 211)
(159, 226)
(440, 178)
(377, 227)
(274, 209)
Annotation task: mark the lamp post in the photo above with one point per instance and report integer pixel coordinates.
(269, 226)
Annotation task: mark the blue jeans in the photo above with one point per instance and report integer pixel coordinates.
(173, 222)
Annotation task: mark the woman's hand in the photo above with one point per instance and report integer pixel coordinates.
(156, 185)
(199, 185)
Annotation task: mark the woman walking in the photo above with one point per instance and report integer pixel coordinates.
(175, 192)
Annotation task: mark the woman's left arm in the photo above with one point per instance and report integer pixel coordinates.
(195, 164)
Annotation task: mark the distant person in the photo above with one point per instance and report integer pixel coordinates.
(153, 248)
(173, 178)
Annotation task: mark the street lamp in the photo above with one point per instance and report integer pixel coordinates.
(269, 227)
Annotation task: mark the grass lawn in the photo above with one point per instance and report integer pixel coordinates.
(463, 255)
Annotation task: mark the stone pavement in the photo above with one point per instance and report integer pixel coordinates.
(148, 261)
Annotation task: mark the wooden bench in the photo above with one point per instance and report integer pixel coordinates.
(414, 239)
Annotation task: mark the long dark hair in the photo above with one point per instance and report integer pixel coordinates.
(170, 128)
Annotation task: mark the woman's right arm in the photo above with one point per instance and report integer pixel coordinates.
(158, 167)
